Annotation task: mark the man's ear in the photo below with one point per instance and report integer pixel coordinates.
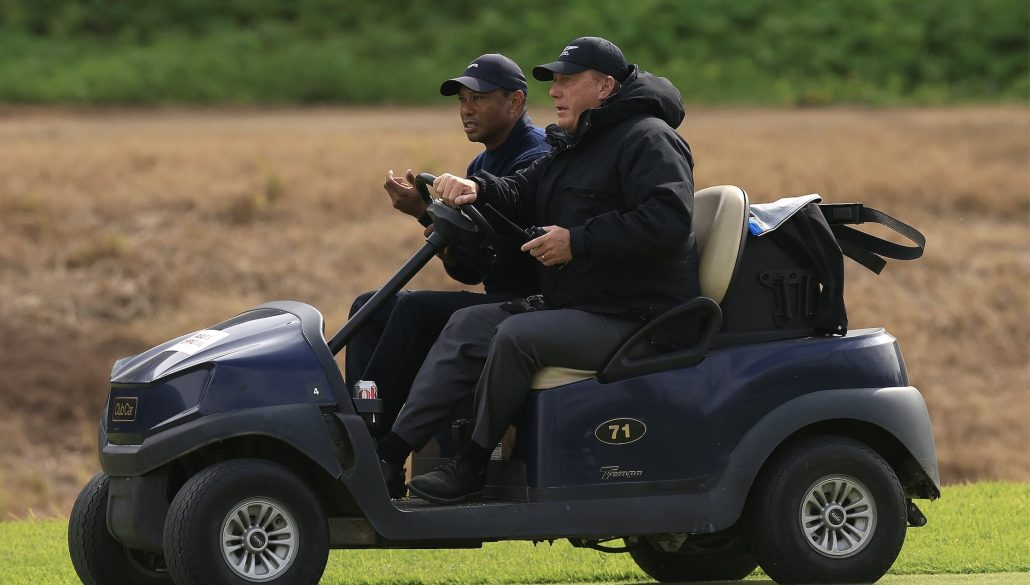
(607, 87)
(517, 100)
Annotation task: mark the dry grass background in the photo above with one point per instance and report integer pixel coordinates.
(119, 229)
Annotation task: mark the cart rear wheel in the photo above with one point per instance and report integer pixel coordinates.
(100, 559)
(830, 510)
(688, 567)
(243, 522)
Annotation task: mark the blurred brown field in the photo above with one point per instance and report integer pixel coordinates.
(122, 228)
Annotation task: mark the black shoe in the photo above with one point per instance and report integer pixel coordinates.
(394, 475)
(459, 480)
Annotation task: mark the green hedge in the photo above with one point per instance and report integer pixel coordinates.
(308, 51)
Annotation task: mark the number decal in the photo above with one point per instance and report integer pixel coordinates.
(620, 431)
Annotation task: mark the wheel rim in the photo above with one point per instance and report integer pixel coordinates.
(838, 516)
(259, 539)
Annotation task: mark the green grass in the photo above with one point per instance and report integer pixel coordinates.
(974, 529)
(977, 528)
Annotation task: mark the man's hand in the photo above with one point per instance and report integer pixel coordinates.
(455, 190)
(552, 248)
(403, 194)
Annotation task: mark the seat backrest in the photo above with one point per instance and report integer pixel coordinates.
(720, 226)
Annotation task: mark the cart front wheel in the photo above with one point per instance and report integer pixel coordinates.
(243, 522)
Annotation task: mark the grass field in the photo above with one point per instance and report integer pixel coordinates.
(973, 529)
(122, 228)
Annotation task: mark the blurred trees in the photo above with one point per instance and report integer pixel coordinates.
(282, 51)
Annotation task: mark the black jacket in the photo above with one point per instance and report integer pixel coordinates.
(623, 186)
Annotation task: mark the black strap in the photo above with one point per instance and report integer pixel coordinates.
(867, 250)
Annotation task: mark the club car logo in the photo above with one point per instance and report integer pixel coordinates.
(123, 409)
(620, 431)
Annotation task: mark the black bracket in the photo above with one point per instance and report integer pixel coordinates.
(796, 292)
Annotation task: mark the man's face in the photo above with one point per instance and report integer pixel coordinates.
(486, 117)
(574, 94)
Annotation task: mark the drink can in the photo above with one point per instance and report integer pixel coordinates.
(366, 389)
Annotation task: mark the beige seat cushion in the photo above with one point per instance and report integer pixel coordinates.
(555, 376)
(720, 226)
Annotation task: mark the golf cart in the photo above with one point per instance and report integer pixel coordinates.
(237, 455)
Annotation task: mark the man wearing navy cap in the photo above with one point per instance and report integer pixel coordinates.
(391, 347)
(615, 195)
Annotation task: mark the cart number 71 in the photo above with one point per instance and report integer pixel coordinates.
(615, 431)
(620, 431)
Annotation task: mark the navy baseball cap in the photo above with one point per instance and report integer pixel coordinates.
(586, 53)
(487, 73)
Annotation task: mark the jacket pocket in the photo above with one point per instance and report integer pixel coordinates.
(589, 202)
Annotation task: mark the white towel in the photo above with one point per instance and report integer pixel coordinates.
(766, 217)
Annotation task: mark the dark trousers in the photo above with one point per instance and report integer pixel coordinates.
(391, 347)
(501, 352)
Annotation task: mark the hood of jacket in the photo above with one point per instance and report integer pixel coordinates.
(642, 93)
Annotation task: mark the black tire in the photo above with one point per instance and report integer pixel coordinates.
(689, 567)
(273, 502)
(98, 558)
(829, 510)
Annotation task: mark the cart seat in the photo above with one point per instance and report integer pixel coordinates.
(720, 227)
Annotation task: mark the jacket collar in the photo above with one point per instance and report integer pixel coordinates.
(562, 139)
(522, 127)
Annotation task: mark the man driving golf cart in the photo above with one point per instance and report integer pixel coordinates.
(390, 348)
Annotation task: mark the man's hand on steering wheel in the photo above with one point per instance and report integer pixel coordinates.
(455, 190)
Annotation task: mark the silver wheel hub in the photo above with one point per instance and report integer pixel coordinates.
(259, 539)
(255, 540)
(838, 516)
(834, 516)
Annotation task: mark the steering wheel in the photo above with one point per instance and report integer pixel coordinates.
(422, 183)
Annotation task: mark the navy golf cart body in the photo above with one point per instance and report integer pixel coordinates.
(801, 452)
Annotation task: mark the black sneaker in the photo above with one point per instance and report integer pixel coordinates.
(459, 480)
(394, 475)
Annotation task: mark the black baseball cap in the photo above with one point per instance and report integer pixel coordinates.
(586, 53)
(487, 73)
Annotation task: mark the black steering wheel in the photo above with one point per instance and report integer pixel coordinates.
(422, 183)
(468, 211)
